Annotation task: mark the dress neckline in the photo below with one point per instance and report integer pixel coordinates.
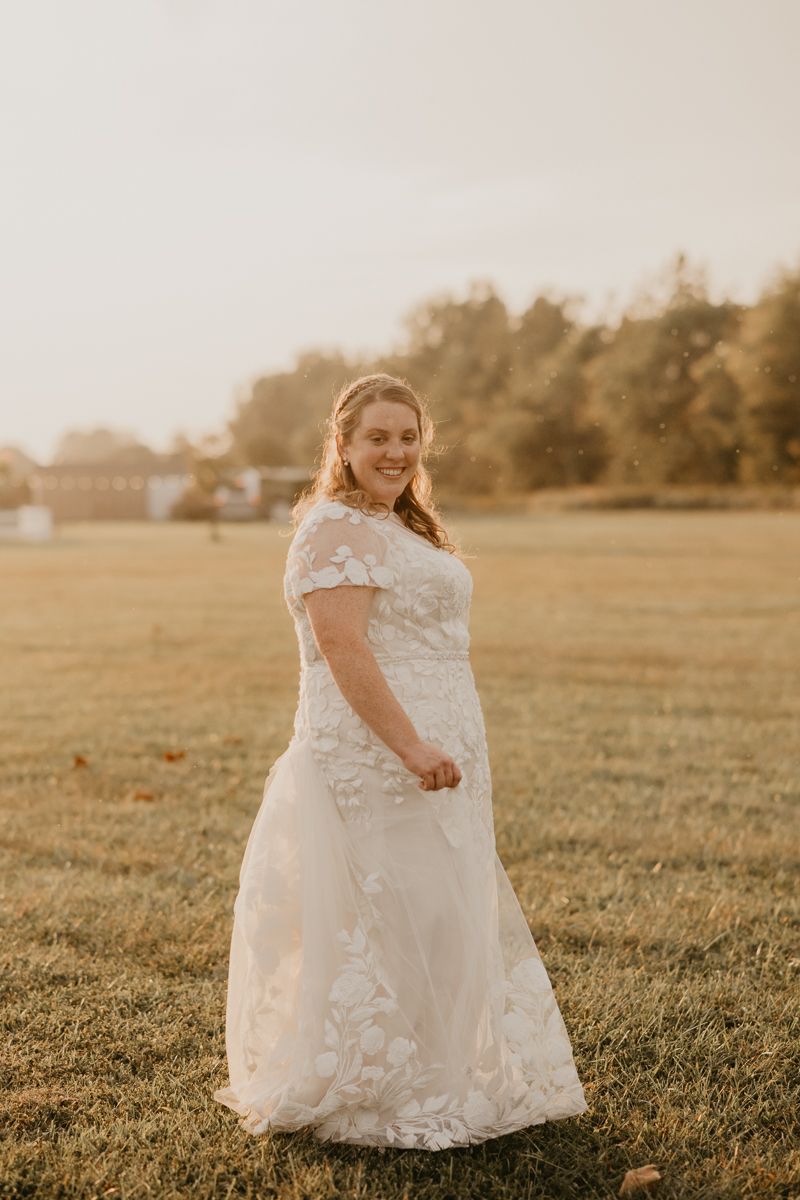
(392, 518)
(386, 518)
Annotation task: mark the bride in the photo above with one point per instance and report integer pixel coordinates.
(384, 987)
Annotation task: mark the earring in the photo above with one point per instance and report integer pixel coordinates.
(346, 462)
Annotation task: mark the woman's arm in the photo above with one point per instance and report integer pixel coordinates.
(339, 618)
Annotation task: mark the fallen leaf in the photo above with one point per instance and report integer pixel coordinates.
(232, 739)
(174, 755)
(142, 795)
(642, 1179)
(79, 761)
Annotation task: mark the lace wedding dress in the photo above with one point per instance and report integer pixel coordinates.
(384, 986)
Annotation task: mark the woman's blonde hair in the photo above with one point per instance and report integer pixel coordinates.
(335, 479)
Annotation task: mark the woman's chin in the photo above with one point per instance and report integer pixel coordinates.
(383, 492)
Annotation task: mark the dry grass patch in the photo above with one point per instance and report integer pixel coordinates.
(641, 679)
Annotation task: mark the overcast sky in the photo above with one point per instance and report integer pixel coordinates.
(195, 190)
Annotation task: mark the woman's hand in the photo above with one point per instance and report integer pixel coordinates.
(435, 767)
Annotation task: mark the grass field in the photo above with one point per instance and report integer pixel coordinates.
(640, 674)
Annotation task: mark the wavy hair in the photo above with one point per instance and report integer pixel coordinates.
(335, 479)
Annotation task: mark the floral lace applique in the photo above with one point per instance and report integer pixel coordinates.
(375, 1077)
(359, 1091)
(314, 562)
(368, 886)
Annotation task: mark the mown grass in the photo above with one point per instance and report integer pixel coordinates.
(641, 681)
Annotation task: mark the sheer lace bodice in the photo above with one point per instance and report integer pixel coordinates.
(384, 986)
(421, 609)
(418, 632)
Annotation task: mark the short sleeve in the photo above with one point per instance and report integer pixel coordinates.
(334, 546)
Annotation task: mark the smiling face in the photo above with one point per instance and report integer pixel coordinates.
(383, 449)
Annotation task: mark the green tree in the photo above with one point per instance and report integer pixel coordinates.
(541, 328)
(281, 422)
(645, 382)
(547, 433)
(714, 418)
(767, 369)
(459, 354)
(102, 445)
(683, 391)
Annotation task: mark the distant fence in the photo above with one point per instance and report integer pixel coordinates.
(145, 491)
(111, 491)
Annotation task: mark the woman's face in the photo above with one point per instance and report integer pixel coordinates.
(384, 449)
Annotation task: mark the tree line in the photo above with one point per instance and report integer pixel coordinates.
(682, 390)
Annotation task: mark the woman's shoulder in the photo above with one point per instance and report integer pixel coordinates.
(336, 544)
(330, 528)
(323, 511)
(328, 509)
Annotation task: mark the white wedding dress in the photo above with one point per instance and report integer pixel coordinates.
(384, 986)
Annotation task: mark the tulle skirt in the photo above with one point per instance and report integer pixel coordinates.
(384, 987)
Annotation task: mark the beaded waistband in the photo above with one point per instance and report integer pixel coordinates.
(384, 659)
(431, 656)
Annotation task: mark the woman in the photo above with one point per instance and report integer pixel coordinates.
(384, 987)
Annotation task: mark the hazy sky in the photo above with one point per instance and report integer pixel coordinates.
(194, 190)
